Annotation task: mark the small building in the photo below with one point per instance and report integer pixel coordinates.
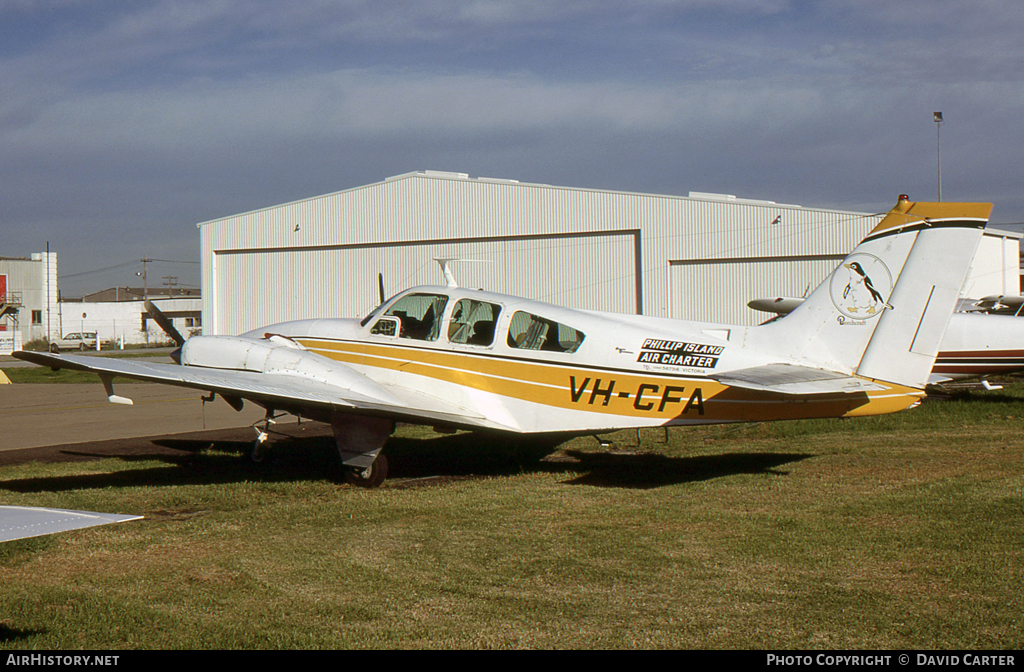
(118, 315)
(701, 256)
(28, 300)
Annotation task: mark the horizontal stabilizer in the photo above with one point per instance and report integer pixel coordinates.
(792, 379)
(779, 305)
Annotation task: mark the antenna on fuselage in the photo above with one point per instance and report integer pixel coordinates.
(449, 277)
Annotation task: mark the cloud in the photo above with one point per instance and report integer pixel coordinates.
(156, 114)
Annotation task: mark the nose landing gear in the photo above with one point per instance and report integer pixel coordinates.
(263, 432)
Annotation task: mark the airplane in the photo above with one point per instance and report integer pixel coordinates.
(998, 304)
(977, 343)
(471, 359)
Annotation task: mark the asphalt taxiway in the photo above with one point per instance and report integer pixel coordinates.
(52, 414)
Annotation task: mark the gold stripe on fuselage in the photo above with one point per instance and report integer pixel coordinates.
(658, 397)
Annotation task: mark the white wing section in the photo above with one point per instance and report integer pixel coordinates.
(278, 390)
(792, 379)
(21, 522)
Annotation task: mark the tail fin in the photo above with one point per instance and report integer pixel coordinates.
(882, 313)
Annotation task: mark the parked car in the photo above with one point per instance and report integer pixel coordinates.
(85, 340)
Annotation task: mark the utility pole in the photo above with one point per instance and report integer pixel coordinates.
(49, 336)
(145, 277)
(145, 292)
(937, 118)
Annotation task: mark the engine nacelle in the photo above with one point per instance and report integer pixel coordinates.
(277, 356)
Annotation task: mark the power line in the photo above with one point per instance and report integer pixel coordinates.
(99, 270)
(124, 265)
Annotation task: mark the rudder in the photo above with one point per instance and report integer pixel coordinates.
(882, 312)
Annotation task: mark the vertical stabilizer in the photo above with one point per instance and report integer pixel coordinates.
(882, 313)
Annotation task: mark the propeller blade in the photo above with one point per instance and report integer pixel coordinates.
(164, 322)
(380, 286)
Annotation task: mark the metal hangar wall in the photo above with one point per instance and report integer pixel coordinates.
(697, 257)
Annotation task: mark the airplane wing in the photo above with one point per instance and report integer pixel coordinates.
(21, 522)
(793, 379)
(277, 390)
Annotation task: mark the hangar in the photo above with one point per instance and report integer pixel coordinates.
(698, 257)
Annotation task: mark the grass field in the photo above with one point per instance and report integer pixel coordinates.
(903, 531)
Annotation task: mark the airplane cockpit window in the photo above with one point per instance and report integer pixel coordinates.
(532, 332)
(472, 322)
(419, 315)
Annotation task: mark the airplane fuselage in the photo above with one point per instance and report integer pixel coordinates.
(609, 371)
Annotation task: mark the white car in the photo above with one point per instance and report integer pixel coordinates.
(85, 340)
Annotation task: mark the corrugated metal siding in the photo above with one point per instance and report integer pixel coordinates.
(27, 277)
(256, 288)
(719, 292)
(433, 208)
(996, 267)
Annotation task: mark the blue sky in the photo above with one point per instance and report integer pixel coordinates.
(122, 125)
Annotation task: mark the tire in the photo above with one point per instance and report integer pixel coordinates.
(369, 478)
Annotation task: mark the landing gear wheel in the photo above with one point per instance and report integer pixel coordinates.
(256, 452)
(372, 477)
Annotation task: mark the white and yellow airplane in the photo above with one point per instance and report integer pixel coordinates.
(474, 359)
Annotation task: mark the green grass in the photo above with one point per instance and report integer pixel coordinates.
(43, 374)
(903, 531)
(40, 374)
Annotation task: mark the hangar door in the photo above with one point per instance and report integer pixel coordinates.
(717, 290)
(254, 288)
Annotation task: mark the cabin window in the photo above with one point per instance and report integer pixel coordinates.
(472, 322)
(532, 332)
(418, 314)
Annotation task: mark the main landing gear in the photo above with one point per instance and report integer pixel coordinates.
(370, 477)
(359, 440)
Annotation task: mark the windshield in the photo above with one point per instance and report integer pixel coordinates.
(419, 316)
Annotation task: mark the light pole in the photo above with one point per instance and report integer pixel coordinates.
(937, 118)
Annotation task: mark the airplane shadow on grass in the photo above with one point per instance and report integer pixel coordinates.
(9, 634)
(412, 461)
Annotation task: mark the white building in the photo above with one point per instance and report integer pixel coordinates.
(701, 257)
(128, 321)
(30, 309)
(28, 299)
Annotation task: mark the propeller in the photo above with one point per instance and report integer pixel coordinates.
(380, 286)
(168, 327)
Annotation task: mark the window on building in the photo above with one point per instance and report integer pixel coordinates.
(37, 317)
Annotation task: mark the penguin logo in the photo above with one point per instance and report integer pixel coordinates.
(861, 286)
